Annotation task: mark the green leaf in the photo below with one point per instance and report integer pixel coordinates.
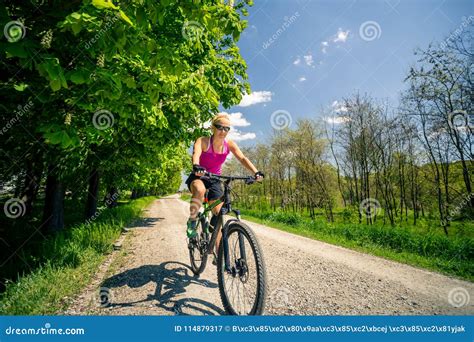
(117, 82)
(103, 4)
(16, 50)
(130, 82)
(55, 84)
(63, 80)
(76, 28)
(50, 67)
(161, 18)
(88, 18)
(78, 76)
(124, 17)
(56, 138)
(141, 16)
(20, 87)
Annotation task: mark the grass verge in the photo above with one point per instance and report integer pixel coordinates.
(452, 256)
(69, 261)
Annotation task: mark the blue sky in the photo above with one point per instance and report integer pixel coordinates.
(303, 55)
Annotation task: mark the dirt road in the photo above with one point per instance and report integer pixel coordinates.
(149, 275)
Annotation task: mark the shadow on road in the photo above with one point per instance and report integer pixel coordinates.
(171, 280)
(146, 222)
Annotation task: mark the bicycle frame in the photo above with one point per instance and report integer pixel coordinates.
(226, 208)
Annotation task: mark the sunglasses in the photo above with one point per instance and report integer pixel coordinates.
(222, 128)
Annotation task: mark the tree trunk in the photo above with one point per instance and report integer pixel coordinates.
(32, 183)
(92, 194)
(111, 197)
(18, 184)
(53, 214)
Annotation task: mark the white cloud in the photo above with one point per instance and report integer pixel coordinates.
(341, 36)
(255, 97)
(302, 79)
(237, 119)
(338, 107)
(336, 120)
(236, 135)
(206, 125)
(338, 117)
(308, 60)
(324, 47)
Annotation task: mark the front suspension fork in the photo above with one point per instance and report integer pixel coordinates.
(226, 242)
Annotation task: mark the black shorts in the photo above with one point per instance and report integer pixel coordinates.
(214, 186)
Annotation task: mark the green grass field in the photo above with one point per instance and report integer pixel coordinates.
(68, 262)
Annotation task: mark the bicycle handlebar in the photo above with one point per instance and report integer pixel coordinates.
(247, 179)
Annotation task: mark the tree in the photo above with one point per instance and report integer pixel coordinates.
(113, 88)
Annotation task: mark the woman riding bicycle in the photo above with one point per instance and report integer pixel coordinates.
(209, 155)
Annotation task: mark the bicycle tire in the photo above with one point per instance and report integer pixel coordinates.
(261, 286)
(197, 264)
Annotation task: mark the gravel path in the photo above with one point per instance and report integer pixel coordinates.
(149, 275)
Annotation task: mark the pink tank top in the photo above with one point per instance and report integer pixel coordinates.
(213, 161)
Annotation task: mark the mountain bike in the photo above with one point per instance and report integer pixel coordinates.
(241, 271)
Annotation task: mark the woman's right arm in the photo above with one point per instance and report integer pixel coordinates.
(197, 150)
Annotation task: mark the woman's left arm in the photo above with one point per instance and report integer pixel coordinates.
(240, 157)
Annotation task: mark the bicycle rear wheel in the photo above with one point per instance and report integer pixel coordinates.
(198, 250)
(243, 287)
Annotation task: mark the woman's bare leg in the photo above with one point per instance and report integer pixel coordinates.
(216, 211)
(198, 191)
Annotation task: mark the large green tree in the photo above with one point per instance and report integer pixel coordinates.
(112, 90)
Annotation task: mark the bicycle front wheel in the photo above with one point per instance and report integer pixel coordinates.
(242, 286)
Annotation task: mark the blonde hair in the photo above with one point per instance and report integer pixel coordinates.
(221, 116)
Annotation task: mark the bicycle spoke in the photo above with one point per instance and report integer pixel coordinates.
(198, 259)
(241, 287)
